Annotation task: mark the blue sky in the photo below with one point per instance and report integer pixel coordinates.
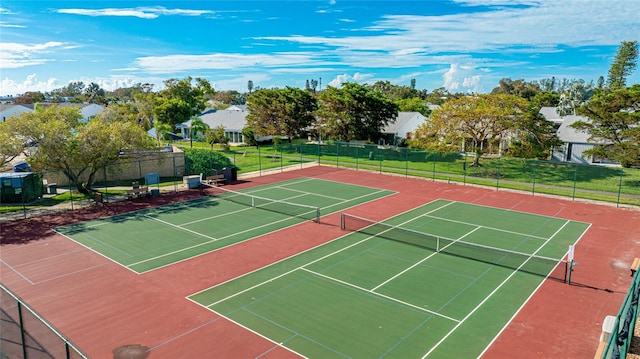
(462, 45)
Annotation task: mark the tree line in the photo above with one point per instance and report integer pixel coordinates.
(476, 122)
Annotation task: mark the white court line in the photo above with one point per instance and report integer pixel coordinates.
(17, 272)
(491, 228)
(379, 294)
(299, 267)
(216, 216)
(420, 262)
(204, 243)
(490, 295)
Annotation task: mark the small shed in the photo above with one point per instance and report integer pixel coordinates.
(18, 187)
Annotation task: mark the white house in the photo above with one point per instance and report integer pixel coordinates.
(233, 122)
(404, 126)
(7, 111)
(87, 110)
(575, 143)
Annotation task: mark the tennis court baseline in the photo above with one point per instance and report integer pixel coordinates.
(151, 238)
(370, 295)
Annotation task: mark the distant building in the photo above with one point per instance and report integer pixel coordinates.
(403, 128)
(87, 110)
(7, 111)
(574, 142)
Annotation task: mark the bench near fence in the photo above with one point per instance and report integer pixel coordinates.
(634, 266)
(138, 193)
(215, 179)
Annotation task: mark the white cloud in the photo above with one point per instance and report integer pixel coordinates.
(544, 25)
(462, 78)
(4, 24)
(357, 77)
(14, 55)
(30, 83)
(224, 61)
(139, 12)
(33, 83)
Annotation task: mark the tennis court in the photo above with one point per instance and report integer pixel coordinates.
(156, 237)
(440, 280)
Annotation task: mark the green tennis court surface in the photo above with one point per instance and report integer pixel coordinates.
(148, 239)
(378, 292)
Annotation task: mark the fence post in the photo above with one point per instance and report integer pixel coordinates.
(379, 160)
(620, 186)
(106, 183)
(70, 191)
(337, 155)
(433, 174)
(300, 147)
(498, 175)
(406, 162)
(22, 337)
(575, 181)
(464, 168)
(259, 162)
(533, 185)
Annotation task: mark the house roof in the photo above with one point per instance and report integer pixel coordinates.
(403, 119)
(551, 114)
(4, 106)
(568, 134)
(237, 108)
(231, 120)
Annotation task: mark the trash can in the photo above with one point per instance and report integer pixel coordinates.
(155, 192)
(226, 172)
(53, 188)
(234, 174)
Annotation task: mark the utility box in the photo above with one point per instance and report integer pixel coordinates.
(20, 187)
(191, 182)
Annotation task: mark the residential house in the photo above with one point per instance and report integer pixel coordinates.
(233, 122)
(574, 144)
(551, 114)
(403, 127)
(7, 111)
(87, 110)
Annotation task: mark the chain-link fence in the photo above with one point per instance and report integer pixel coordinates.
(590, 182)
(25, 334)
(617, 185)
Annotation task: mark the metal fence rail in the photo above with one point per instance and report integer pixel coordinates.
(25, 334)
(619, 341)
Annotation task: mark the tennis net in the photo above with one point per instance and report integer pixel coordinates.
(523, 262)
(310, 213)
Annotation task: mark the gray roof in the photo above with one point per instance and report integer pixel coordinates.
(402, 119)
(231, 120)
(551, 114)
(571, 135)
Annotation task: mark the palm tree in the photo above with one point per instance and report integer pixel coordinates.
(161, 130)
(197, 127)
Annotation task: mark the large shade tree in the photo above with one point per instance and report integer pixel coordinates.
(613, 125)
(181, 99)
(478, 119)
(79, 150)
(623, 64)
(354, 112)
(280, 112)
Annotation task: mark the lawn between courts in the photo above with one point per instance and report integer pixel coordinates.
(151, 238)
(364, 296)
